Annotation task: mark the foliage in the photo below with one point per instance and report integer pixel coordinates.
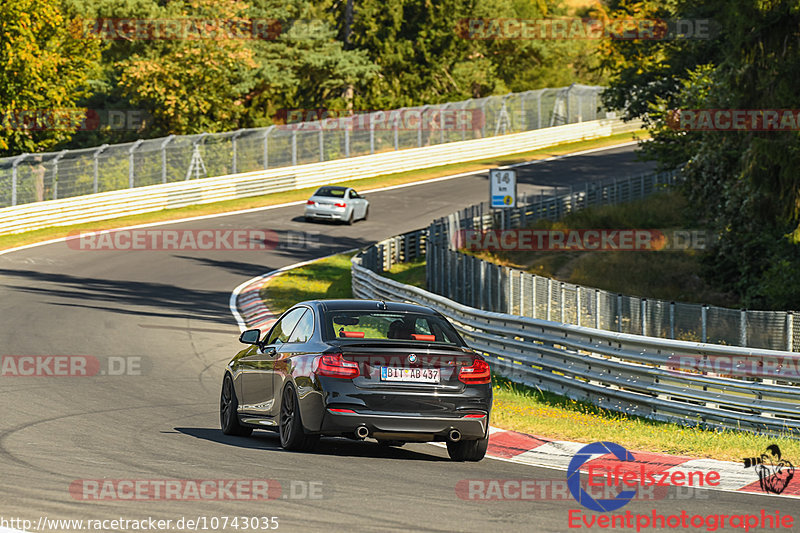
(43, 70)
(745, 182)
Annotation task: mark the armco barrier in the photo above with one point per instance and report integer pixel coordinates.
(633, 374)
(103, 206)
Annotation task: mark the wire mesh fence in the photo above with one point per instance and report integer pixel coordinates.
(472, 281)
(37, 177)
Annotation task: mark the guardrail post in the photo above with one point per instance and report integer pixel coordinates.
(442, 109)
(672, 320)
(489, 284)
(619, 313)
(419, 126)
(789, 331)
(578, 306)
(234, 137)
(14, 165)
(131, 163)
(561, 302)
(61, 154)
(294, 147)
(597, 308)
(539, 111)
(549, 298)
(644, 316)
(164, 158)
(372, 133)
(483, 282)
(533, 295)
(396, 131)
(266, 146)
(95, 155)
(704, 322)
(742, 327)
(510, 291)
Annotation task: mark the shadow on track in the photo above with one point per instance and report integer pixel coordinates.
(333, 446)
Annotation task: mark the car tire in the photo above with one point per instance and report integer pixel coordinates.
(228, 410)
(468, 450)
(350, 220)
(366, 213)
(290, 426)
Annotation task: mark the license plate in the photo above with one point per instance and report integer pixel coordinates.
(410, 375)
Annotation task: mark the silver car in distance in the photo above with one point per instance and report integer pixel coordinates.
(341, 204)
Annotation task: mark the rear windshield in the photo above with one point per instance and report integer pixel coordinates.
(385, 325)
(330, 191)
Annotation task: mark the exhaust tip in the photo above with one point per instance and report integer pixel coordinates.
(362, 432)
(455, 435)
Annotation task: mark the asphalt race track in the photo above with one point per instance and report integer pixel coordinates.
(161, 320)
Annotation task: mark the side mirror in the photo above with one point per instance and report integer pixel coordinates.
(251, 336)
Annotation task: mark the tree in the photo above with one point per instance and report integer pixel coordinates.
(44, 72)
(745, 182)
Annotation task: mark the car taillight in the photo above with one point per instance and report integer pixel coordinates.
(477, 374)
(339, 204)
(476, 415)
(311, 202)
(335, 366)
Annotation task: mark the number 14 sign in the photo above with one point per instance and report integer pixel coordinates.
(502, 188)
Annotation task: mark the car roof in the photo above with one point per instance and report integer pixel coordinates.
(369, 305)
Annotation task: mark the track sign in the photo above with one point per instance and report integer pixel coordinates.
(502, 188)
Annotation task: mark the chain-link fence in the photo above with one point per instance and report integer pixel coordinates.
(48, 176)
(484, 285)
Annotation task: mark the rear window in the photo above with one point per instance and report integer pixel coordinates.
(330, 191)
(386, 325)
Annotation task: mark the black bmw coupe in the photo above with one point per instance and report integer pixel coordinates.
(390, 371)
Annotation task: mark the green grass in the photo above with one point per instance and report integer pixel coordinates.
(664, 275)
(527, 410)
(20, 239)
(327, 278)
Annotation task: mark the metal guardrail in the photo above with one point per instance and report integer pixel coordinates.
(656, 378)
(108, 205)
(664, 379)
(39, 177)
(485, 285)
(469, 280)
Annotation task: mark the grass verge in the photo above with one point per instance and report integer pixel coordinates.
(527, 410)
(327, 278)
(521, 408)
(30, 237)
